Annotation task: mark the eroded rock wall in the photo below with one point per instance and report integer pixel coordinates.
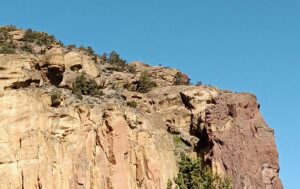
(242, 145)
(78, 146)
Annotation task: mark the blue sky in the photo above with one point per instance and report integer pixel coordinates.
(245, 46)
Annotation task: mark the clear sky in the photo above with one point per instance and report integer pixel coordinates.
(241, 45)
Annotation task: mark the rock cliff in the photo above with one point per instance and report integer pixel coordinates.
(124, 138)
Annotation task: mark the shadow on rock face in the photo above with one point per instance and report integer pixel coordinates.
(204, 144)
(55, 75)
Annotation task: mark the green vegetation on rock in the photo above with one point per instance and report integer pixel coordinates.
(27, 48)
(89, 50)
(145, 84)
(6, 45)
(181, 79)
(194, 175)
(4, 32)
(116, 62)
(85, 86)
(132, 104)
(131, 68)
(177, 141)
(7, 48)
(55, 97)
(199, 83)
(114, 59)
(39, 38)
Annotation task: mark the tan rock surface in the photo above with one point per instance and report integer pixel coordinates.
(17, 71)
(81, 62)
(75, 147)
(17, 35)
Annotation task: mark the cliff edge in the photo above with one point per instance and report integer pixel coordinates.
(72, 119)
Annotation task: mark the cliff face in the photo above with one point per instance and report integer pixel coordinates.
(241, 142)
(104, 143)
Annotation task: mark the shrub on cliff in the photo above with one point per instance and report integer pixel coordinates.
(88, 50)
(56, 97)
(192, 175)
(181, 79)
(131, 68)
(115, 60)
(199, 83)
(71, 47)
(4, 32)
(103, 58)
(118, 64)
(132, 104)
(27, 48)
(85, 86)
(7, 48)
(39, 38)
(145, 84)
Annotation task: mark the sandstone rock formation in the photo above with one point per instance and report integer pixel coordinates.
(104, 143)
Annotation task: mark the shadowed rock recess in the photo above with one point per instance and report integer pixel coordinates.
(114, 135)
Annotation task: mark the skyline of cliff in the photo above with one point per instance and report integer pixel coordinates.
(240, 46)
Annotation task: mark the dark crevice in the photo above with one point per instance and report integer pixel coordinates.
(20, 143)
(22, 179)
(207, 162)
(55, 103)
(76, 67)
(186, 101)
(40, 186)
(23, 84)
(36, 67)
(205, 143)
(225, 166)
(212, 101)
(79, 183)
(55, 75)
(232, 110)
(193, 130)
(220, 142)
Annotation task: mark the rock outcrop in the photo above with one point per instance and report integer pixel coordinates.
(234, 123)
(104, 143)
